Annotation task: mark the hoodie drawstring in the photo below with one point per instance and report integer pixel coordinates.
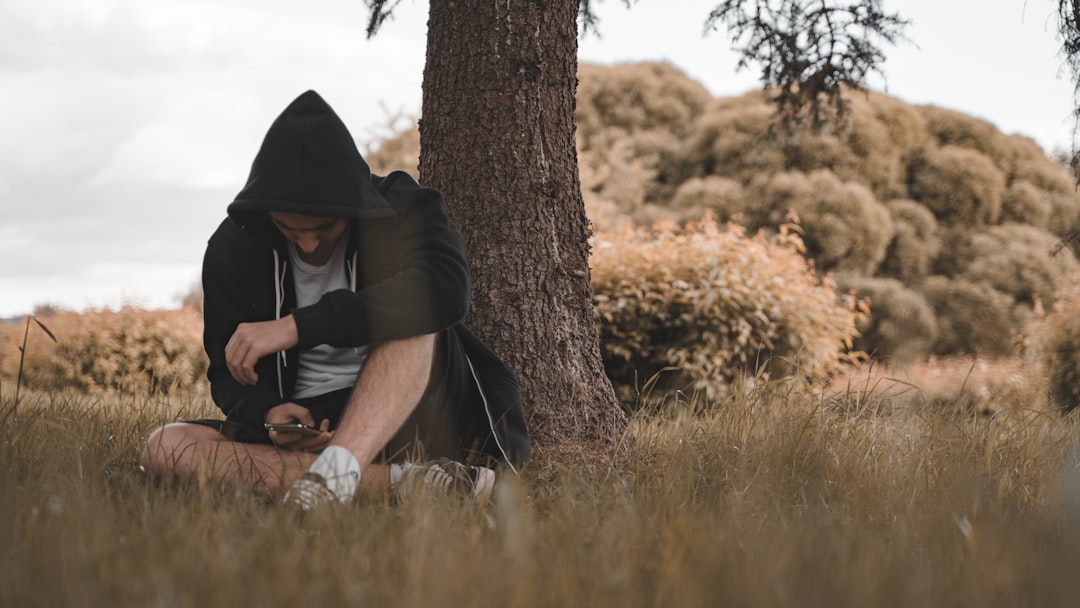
(491, 419)
(279, 297)
(352, 273)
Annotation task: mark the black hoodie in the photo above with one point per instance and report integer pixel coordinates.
(405, 265)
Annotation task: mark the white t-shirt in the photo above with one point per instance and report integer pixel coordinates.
(323, 368)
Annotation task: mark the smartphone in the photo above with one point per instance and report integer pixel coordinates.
(293, 427)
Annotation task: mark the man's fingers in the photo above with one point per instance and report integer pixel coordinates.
(248, 367)
(289, 412)
(243, 375)
(303, 416)
(297, 441)
(283, 439)
(314, 443)
(235, 353)
(241, 358)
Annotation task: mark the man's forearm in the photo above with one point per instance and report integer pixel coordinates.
(389, 387)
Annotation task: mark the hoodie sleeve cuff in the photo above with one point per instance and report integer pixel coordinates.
(314, 325)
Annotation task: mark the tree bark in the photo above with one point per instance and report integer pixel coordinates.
(497, 139)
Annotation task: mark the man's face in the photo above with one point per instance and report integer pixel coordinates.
(315, 237)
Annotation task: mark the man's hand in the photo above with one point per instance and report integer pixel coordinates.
(253, 341)
(289, 413)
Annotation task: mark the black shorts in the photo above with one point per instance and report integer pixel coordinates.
(449, 421)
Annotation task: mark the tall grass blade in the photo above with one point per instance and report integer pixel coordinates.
(22, 359)
(47, 331)
(22, 356)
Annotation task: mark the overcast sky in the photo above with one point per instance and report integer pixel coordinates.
(128, 125)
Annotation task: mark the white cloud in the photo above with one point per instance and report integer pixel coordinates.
(201, 140)
(100, 286)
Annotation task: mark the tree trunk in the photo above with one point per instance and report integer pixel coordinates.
(497, 139)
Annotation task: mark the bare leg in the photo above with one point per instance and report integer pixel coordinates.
(194, 451)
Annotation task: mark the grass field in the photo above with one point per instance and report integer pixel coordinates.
(883, 493)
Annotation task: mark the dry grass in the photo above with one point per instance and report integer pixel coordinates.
(873, 494)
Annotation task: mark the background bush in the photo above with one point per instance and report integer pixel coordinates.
(915, 243)
(972, 318)
(956, 191)
(846, 228)
(703, 306)
(959, 185)
(901, 328)
(1056, 345)
(722, 197)
(1025, 203)
(128, 350)
(1016, 259)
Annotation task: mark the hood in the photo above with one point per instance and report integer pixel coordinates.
(309, 164)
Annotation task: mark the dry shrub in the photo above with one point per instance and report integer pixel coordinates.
(631, 118)
(847, 229)
(128, 350)
(949, 385)
(739, 139)
(952, 128)
(400, 151)
(1052, 182)
(809, 151)
(624, 173)
(1016, 259)
(883, 137)
(901, 327)
(1028, 162)
(972, 318)
(1011, 263)
(613, 185)
(915, 242)
(873, 156)
(905, 135)
(1065, 214)
(960, 185)
(731, 139)
(1056, 345)
(722, 197)
(637, 97)
(1026, 203)
(705, 306)
(957, 249)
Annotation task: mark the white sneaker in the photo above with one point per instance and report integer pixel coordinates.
(309, 491)
(447, 477)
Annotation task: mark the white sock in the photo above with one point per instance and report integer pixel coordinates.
(340, 469)
(397, 471)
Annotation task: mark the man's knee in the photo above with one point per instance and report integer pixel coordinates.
(175, 445)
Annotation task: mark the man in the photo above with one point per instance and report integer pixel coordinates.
(333, 299)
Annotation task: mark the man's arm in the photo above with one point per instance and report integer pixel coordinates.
(427, 292)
